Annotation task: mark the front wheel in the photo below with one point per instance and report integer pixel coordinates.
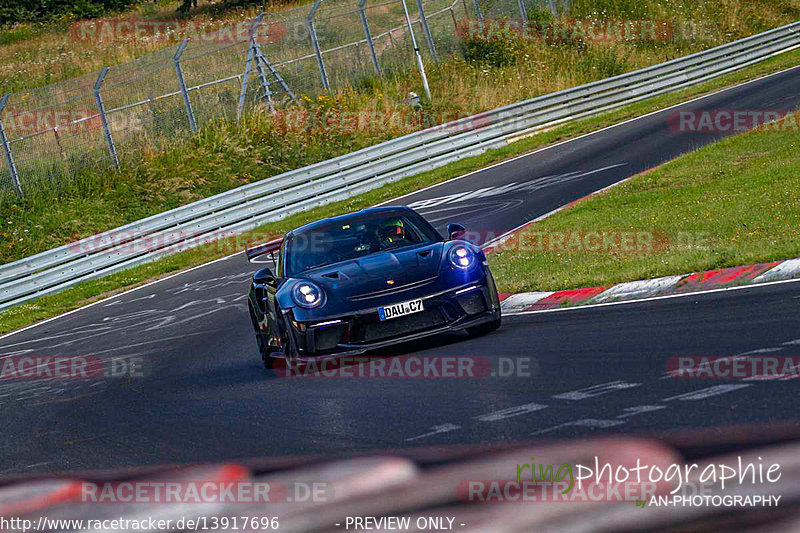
(265, 351)
(290, 351)
(483, 329)
(264, 348)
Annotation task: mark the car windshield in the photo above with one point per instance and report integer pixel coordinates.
(353, 238)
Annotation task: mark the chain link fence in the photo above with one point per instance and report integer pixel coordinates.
(53, 134)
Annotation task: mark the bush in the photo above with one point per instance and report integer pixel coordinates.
(15, 11)
(602, 63)
(495, 51)
(220, 8)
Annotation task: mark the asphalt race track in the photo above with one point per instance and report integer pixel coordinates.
(198, 391)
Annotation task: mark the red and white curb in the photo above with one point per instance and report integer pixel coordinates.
(696, 282)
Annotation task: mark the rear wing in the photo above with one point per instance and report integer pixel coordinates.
(266, 248)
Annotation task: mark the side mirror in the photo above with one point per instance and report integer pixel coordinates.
(455, 231)
(265, 277)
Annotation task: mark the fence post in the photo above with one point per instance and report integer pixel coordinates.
(362, 11)
(247, 65)
(426, 29)
(12, 167)
(245, 79)
(315, 42)
(187, 103)
(522, 11)
(101, 109)
(262, 76)
(420, 64)
(478, 11)
(261, 57)
(61, 148)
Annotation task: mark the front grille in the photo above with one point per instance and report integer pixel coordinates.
(393, 290)
(379, 330)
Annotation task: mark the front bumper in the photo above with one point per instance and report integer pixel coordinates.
(457, 308)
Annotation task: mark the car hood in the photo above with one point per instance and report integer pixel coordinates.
(379, 271)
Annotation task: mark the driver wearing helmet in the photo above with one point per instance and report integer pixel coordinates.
(391, 234)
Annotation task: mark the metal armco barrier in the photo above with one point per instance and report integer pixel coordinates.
(271, 199)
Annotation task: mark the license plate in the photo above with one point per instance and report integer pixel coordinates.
(405, 308)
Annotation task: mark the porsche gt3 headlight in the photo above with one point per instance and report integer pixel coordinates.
(308, 295)
(462, 257)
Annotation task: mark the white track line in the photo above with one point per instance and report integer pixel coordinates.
(501, 238)
(652, 298)
(159, 280)
(425, 189)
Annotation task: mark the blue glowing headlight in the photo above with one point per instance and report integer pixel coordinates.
(462, 257)
(308, 295)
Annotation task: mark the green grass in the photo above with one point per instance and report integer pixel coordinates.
(63, 171)
(87, 292)
(36, 54)
(735, 202)
(225, 155)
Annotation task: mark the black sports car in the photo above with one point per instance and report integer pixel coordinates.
(365, 280)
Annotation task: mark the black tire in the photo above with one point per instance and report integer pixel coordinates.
(483, 329)
(290, 352)
(290, 356)
(264, 348)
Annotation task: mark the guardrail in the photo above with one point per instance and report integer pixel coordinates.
(252, 205)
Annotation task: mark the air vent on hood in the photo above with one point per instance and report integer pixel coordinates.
(391, 290)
